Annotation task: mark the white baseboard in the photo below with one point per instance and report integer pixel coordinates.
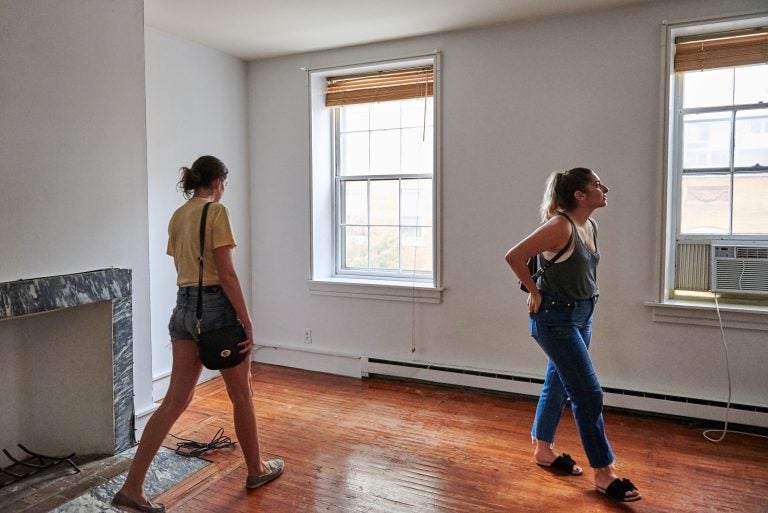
(319, 360)
(309, 358)
(630, 400)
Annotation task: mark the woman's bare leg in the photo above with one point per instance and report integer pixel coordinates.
(184, 375)
(238, 382)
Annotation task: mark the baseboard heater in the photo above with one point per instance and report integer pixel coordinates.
(378, 367)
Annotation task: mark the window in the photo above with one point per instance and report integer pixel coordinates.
(374, 174)
(383, 173)
(717, 153)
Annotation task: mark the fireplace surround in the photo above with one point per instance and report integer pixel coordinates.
(108, 291)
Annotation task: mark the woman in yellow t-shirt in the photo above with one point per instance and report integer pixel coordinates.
(223, 305)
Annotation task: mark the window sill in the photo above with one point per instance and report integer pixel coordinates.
(383, 290)
(704, 314)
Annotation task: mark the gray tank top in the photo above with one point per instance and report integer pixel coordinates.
(574, 277)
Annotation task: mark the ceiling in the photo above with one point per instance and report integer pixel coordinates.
(254, 29)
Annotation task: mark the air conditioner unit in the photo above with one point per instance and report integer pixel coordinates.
(741, 268)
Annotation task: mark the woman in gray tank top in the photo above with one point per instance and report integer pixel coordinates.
(561, 304)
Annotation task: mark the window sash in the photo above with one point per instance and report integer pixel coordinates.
(341, 225)
(731, 170)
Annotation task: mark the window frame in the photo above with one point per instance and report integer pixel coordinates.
(324, 278)
(672, 162)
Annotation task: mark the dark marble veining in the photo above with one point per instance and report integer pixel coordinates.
(167, 470)
(40, 295)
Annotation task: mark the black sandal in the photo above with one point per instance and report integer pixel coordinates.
(563, 463)
(618, 490)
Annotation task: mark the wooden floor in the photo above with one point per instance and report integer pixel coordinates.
(382, 446)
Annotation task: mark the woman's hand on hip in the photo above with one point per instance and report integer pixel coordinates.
(534, 301)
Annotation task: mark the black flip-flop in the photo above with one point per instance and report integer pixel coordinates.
(563, 463)
(618, 489)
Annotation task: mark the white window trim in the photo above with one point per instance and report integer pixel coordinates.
(704, 314)
(380, 289)
(665, 308)
(322, 266)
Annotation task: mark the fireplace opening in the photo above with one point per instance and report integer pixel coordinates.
(56, 376)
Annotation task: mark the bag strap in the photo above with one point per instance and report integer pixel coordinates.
(544, 267)
(199, 313)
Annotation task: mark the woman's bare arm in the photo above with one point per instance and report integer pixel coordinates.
(231, 285)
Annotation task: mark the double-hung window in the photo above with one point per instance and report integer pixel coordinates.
(717, 208)
(383, 168)
(374, 184)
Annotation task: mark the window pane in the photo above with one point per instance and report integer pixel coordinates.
(751, 138)
(385, 115)
(750, 210)
(355, 202)
(384, 248)
(705, 204)
(416, 202)
(752, 84)
(354, 117)
(413, 114)
(417, 150)
(416, 249)
(710, 88)
(385, 152)
(355, 247)
(354, 153)
(384, 202)
(706, 140)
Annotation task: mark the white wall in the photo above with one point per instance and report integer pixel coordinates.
(73, 148)
(518, 101)
(196, 105)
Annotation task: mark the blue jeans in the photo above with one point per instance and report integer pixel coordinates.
(563, 329)
(217, 312)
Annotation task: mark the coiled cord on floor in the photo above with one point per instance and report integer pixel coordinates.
(192, 448)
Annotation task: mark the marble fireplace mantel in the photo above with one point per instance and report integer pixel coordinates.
(40, 295)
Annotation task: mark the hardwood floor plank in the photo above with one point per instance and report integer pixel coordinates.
(379, 446)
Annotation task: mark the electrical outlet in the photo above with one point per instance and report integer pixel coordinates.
(307, 336)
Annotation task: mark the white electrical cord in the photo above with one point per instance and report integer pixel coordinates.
(724, 431)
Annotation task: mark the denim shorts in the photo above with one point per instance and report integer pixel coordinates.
(217, 312)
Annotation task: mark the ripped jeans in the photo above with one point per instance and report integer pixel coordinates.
(563, 329)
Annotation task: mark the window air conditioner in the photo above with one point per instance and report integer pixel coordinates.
(739, 268)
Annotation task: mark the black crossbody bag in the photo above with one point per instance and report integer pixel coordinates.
(218, 348)
(533, 263)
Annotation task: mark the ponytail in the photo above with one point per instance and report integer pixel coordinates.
(548, 206)
(205, 170)
(559, 191)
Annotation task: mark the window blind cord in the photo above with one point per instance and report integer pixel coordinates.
(724, 431)
(413, 272)
(192, 448)
(415, 247)
(424, 119)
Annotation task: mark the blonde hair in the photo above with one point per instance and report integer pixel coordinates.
(559, 190)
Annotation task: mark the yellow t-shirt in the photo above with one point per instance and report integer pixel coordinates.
(184, 240)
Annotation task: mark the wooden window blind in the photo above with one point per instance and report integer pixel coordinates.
(380, 86)
(720, 50)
